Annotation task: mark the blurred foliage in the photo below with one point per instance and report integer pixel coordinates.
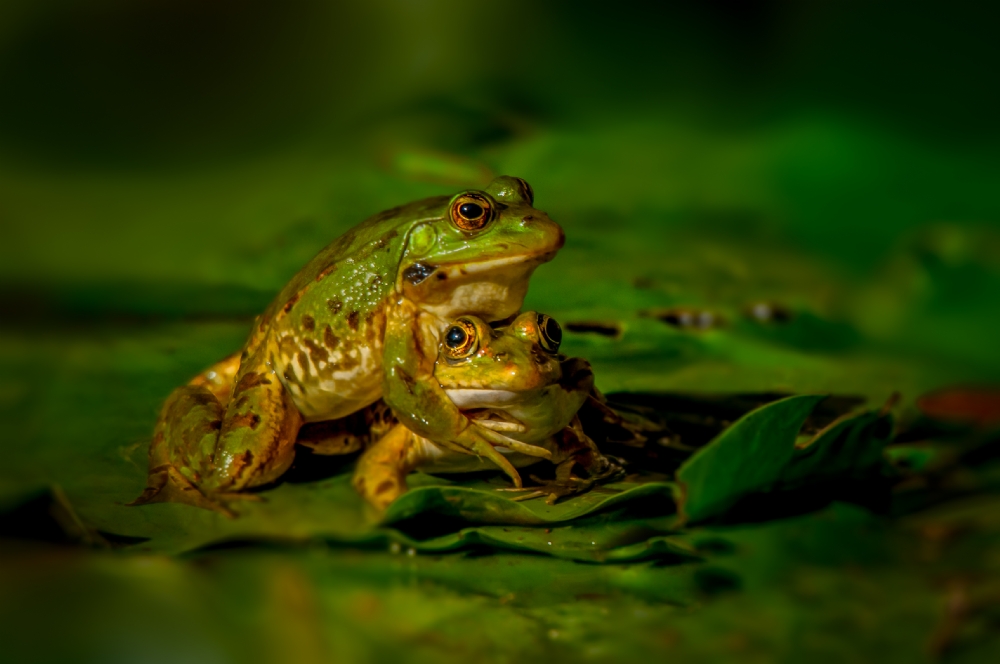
(760, 197)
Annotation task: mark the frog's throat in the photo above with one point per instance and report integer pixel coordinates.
(465, 398)
(492, 289)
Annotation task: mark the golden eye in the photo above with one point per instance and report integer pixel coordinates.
(470, 212)
(549, 332)
(461, 339)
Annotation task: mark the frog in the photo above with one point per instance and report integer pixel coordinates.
(358, 323)
(510, 379)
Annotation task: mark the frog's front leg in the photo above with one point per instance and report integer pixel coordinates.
(420, 403)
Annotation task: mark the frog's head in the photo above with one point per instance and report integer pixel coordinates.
(477, 254)
(516, 370)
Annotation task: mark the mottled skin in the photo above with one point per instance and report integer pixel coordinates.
(361, 321)
(511, 380)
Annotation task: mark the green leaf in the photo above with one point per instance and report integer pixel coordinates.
(478, 506)
(759, 454)
(851, 446)
(437, 516)
(616, 539)
(748, 457)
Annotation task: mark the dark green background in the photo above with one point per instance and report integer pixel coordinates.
(166, 166)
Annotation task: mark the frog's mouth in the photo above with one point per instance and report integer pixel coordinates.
(467, 398)
(460, 270)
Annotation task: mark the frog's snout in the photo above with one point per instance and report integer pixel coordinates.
(553, 232)
(562, 236)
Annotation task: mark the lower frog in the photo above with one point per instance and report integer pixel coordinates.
(511, 380)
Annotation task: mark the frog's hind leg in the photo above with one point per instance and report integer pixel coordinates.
(185, 436)
(348, 434)
(380, 476)
(219, 378)
(204, 453)
(577, 448)
(256, 443)
(331, 438)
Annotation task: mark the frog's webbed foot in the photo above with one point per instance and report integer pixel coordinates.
(166, 484)
(568, 484)
(580, 450)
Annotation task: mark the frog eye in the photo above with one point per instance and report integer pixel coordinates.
(461, 339)
(549, 332)
(470, 212)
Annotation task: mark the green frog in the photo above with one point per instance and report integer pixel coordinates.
(360, 322)
(511, 380)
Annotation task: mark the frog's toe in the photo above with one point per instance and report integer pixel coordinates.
(606, 469)
(166, 484)
(244, 497)
(514, 445)
(482, 446)
(149, 495)
(153, 493)
(501, 426)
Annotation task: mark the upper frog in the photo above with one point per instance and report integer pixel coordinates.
(362, 320)
(393, 282)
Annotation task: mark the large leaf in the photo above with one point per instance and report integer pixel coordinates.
(748, 457)
(759, 454)
(850, 447)
(617, 522)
